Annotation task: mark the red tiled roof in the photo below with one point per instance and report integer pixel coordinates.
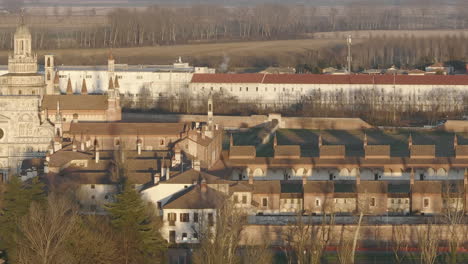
(332, 79)
(228, 78)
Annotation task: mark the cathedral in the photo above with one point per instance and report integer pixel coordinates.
(34, 114)
(23, 135)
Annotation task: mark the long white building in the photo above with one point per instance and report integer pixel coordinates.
(424, 90)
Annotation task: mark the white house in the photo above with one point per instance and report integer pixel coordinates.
(191, 212)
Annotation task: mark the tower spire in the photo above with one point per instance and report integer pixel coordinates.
(84, 89)
(69, 86)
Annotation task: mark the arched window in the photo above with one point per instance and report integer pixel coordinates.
(258, 172)
(344, 172)
(441, 172)
(48, 62)
(430, 172)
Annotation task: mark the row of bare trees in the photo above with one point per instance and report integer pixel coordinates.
(161, 25)
(373, 105)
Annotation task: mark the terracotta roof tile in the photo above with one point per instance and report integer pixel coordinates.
(461, 151)
(75, 102)
(284, 151)
(372, 187)
(377, 151)
(227, 78)
(169, 129)
(264, 187)
(422, 151)
(332, 151)
(191, 176)
(427, 187)
(319, 187)
(242, 152)
(195, 198)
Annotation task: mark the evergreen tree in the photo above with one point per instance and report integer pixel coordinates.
(137, 227)
(15, 204)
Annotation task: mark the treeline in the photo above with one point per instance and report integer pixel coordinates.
(406, 51)
(48, 227)
(161, 25)
(372, 105)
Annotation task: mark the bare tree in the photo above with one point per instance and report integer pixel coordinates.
(399, 242)
(45, 231)
(428, 243)
(453, 216)
(219, 240)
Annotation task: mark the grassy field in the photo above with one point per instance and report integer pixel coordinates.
(353, 140)
(247, 53)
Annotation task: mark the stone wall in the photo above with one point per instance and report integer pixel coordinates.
(236, 122)
(370, 236)
(456, 126)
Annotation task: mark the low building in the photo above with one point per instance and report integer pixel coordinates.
(191, 213)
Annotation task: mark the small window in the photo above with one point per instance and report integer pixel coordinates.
(426, 202)
(93, 197)
(210, 219)
(265, 202)
(256, 89)
(106, 197)
(406, 201)
(236, 199)
(195, 235)
(399, 201)
(393, 201)
(246, 89)
(185, 217)
(93, 186)
(184, 236)
(317, 202)
(172, 218)
(195, 217)
(244, 199)
(372, 202)
(161, 142)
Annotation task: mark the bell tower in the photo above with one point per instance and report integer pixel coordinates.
(49, 73)
(22, 60)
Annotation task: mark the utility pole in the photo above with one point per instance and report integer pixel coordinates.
(349, 42)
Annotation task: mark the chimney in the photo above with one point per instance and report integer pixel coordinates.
(203, 186)
(412, 177)
(97, 155)
(156, 178)
(320, 141)
(96, 148)
(46, 167)
(231, 141)
(410, 141)
(163, 169)
(196, 165)
(358, 176)
(275, 141)
(139, 146)
(465, 178)
(455, 141)
(365, 140)
(74, 144)
(75, 118)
